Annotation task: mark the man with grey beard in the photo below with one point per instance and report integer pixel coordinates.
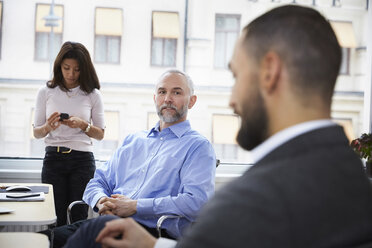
(169, 169)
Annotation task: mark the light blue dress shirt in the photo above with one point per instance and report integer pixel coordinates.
(167, 172)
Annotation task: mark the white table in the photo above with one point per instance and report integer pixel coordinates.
(23, 240)
(30, 213)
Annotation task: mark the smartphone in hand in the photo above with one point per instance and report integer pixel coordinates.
(63, 116)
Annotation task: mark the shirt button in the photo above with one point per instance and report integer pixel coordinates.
(143, 170)
(161, 138)
(152, 154)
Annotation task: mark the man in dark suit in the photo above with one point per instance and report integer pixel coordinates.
(308, 187)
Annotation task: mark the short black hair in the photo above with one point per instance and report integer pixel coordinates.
(304, 40)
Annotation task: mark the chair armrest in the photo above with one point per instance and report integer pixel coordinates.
(162, 219)
(72, 204)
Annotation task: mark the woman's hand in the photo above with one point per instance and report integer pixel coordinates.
(52, 122)
(75, 122)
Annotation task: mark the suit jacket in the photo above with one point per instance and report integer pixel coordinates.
(309, 192)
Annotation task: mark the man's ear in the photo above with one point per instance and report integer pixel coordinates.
(271, 66)
(154, 98)
(192, 101)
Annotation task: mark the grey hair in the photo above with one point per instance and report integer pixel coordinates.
(190, 83)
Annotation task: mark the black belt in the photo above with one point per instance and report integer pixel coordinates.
(60, 149)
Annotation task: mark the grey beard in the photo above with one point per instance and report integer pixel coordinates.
(171, 118)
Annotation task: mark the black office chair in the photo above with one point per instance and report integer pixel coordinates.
(69, 210)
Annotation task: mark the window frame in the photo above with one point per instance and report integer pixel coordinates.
(149, 119)
(218, 15)
(102, 149)
(224, 146)
(346, 51)
(107, 38)
(36, 58)
(106, 61)
(1, 25)
(163, 40)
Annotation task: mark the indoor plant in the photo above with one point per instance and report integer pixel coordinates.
(363, 147)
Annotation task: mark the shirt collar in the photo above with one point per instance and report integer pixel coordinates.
(155, 129)
(178, 129)
(283, 136)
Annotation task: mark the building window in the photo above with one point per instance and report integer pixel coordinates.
(345, 61)
(346, 37)
(165, 32)
(103, 149)
(226, 33)
(37, 146)
(224, 131)
(42, 35)
(108, 32)
(152, 119)
(1, 24)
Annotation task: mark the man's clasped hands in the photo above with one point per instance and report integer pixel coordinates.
(119, 205)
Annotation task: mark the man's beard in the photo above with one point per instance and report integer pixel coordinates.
(170, 118)
(254, 123)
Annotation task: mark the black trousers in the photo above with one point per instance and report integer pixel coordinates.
(83, 233)
(69, 174)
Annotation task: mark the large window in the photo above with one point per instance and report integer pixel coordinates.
(37, 146)
(123, 35)
(108, 32)
(224, 130)
(103, 149)
(152, 119)
(1, 23)
(345, 62)
(165, 32)
(346, 37)
(226, 33)
(43, 33)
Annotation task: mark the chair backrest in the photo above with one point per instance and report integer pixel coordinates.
(218, 162)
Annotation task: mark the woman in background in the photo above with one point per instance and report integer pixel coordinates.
(69, 112)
